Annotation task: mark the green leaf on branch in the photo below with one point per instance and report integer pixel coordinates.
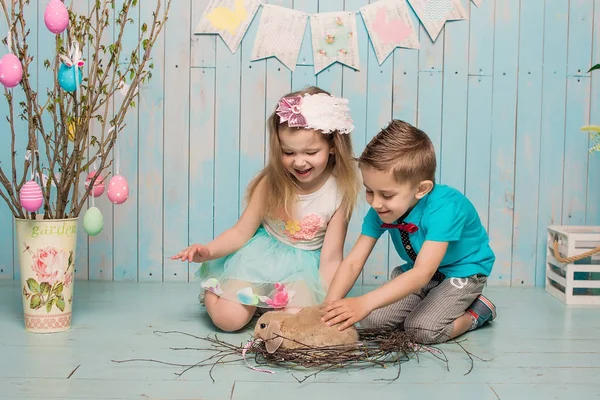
(45, 286)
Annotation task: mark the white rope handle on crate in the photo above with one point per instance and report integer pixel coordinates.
(569, 260)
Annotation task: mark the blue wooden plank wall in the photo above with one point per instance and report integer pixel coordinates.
(502, 95)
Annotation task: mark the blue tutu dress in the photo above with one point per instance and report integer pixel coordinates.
(279, 266)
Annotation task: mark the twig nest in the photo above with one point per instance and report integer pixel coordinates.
(93, 221)
(11, 70)
(118, 189)
(56, 16)
(98, 185)
(31, 196)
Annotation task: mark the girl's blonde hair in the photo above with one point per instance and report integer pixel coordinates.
(281, 186)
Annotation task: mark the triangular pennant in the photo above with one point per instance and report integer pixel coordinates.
(478, 2)
(228, 18)
(280, 34)
(389, 25)
(434, 13)
(334, 39)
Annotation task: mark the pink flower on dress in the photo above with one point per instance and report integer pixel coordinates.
(48, 263)
(309, 226)
(280, 297)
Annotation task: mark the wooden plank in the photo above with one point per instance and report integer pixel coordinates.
(151, 158)
(7, 231)
(30, 14)
(354, 88)
(176, 145)
(203, 47)
(578, 107)
(330, 78)
(202, 139)
(479, 115)
(549, 207)
(405, 98)
(304, 74)
(82, 250)
(527, 160)
(592, 211)
(101, 249)
(125, 258)
(454, 100)
(279, 81)
(252, 113)
(379, 115)
(502, 169)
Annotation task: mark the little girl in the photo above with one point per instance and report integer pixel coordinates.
(286, 247)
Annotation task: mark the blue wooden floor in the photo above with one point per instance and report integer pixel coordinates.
(541, 349)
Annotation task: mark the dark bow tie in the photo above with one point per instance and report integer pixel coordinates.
(403, 226)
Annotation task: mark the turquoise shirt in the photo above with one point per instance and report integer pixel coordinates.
(442, 215)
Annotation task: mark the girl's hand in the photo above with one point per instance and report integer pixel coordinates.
(345, 311)
(194, 253)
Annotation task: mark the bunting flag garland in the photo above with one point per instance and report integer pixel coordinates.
(280, 34)
(281, 30)
(434, 14)
(228, 18)
(389, 25)
(334, 39)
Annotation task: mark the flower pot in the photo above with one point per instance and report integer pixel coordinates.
(47, 258)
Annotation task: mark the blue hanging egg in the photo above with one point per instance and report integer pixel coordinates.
(66, 77)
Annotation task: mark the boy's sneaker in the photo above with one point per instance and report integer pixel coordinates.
(482, 310)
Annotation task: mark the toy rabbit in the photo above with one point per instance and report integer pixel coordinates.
(302, 329)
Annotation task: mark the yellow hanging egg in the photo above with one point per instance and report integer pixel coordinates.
(71, 131)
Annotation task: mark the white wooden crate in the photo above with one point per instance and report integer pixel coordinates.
(578, 282)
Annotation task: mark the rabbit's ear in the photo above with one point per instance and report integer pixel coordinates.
(272, 341)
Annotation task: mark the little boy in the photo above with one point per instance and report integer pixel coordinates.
(434, 228)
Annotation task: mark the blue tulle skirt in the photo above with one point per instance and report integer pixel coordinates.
(266, 273)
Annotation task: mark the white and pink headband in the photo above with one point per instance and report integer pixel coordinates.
(316, 111)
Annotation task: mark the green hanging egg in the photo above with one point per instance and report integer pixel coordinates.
(93, 221)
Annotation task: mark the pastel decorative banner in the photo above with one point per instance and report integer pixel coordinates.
(478, 2)
(334, 39)
(434, 13)
(280, 34)
(389, 25)
(228, 18)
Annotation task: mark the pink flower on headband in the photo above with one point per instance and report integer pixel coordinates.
(288, 110)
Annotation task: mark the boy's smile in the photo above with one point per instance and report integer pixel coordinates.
(389, 198)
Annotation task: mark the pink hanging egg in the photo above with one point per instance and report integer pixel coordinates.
(98, 185)
(31, 196)
(11, 70)
(56, 16)
(118, 189)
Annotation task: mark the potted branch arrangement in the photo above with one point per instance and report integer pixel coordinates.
(56, 164)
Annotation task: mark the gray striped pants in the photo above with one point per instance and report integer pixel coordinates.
(430, 312)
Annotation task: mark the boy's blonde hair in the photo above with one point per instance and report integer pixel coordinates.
(282, 187)
(403, 149)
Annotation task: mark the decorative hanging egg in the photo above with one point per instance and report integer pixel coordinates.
(56, 16)
(118, 189)
(11, 70)
(98, 185)
(71, 131)
(31, 196)
(66, 77)
(93, 221)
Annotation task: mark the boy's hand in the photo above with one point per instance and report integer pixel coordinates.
(345, 311)
(194, 253)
